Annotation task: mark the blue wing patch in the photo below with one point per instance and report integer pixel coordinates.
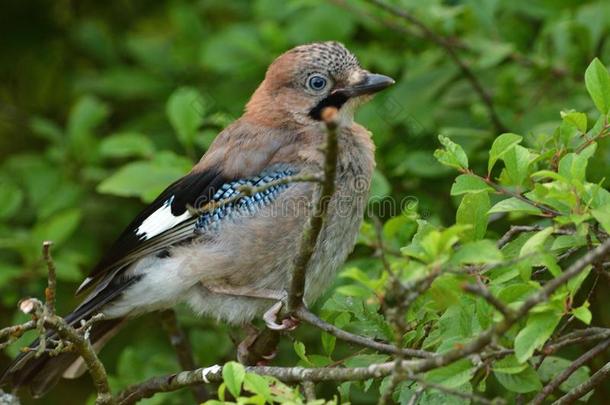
(245, 204)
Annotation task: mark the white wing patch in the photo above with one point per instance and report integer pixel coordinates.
(160, 221)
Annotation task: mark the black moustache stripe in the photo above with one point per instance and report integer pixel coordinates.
(334, 100)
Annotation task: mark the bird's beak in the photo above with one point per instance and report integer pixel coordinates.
(370, 84)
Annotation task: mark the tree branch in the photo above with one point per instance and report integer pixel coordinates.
(581, 390)
(314, 226)
(44, 317)
(309, 317)
(50, 291)
(79, 344)
(484, 293)
(565, 374)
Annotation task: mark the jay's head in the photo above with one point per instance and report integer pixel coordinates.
(304, 80)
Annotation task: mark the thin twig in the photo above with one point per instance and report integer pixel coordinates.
(565, 374)
(314, 226)
(183, 350)
(587, 386)
(576, 268)
(309, 389)
(12, 333)
(514, 231)
(306, 315)
(50, 291)
(580, 336)
(79, 343)
(545, 209)
(484, 293)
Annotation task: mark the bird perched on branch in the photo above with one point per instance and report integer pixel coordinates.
(226, 252)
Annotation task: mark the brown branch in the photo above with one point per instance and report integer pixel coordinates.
(183, 379)
(548, 211)
(484, 293)
(565, 374)
(309, 317)
(50, 291)
(78, 343)
(514, 231)
(183, 350)
(576, 268)
(314, 226)
(449, 48)
(580, 336)
(44, 318)
(12, 333)
(309, 390)
(582, 389)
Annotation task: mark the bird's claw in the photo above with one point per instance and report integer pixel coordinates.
(270, 317)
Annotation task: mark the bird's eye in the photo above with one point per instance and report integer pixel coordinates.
(317, 82)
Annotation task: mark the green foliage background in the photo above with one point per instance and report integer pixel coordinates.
(102, 104)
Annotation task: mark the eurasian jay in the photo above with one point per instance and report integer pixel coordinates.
(234, 262)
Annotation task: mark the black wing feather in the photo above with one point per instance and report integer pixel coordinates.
(194, 189)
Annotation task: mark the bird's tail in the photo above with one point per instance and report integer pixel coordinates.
(41, 373)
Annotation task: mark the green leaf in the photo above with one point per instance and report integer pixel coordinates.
(509, 365)
(538, 330)
(328, 343)
(501, 145)
(536, 242)
(602, 215)
(185, 109)
(516, 292)
(473, 211)
(517, 161)
(144, 179)
(513, 204)
(453, 375)
(468, 183)
(597, 81)
(574, 166)
(577, 119)
(233, 375)
(365, 360)
(522, 382)
(552, 365)
(299, 349)
(583, 313)
(11, 199)
(258, 385)
(452, 155)
(58, 228)
(86, 114)
(575, 283)
(478, 252)
(126, 144)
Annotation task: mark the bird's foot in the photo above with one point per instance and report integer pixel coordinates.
(270, 317)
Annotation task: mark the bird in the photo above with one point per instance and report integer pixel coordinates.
(234, 262)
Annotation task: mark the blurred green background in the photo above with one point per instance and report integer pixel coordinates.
(103, 104)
